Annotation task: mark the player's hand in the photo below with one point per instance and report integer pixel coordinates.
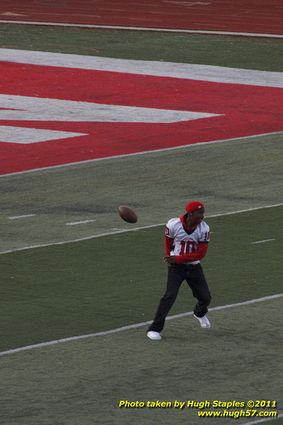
(170, 260)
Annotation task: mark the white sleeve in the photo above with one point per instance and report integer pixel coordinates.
(169, 229)
(205, 233)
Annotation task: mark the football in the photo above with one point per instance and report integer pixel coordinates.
(127, 214)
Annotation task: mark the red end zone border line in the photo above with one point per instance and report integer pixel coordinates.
(61, 109)
(129, 28)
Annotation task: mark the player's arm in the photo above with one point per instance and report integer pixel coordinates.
(168, 245)
(168, 242)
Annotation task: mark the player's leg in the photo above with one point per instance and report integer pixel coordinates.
(176, 275)
(200, 289)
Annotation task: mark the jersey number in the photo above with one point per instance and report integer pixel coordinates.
(187, 247)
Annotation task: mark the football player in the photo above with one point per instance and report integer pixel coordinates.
(186, 243)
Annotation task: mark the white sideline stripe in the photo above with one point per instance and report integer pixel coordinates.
(119, 27)
(133, 326)
(106, 158)
(217, 74)
(263, 241)
(16, 217)
(74, 223)
(264, 420)
(135, 229)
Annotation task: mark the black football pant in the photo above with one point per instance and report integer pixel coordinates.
(195, 278)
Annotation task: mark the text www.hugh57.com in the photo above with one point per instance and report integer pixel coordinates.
(236, 413)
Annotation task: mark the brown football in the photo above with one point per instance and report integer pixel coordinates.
(127, 214)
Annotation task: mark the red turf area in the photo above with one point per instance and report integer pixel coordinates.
(258, 16)
(245, 110)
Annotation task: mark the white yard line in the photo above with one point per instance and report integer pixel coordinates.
(217, 74)
(135, 229)
(133, 326)
(245, 210)
(260, 421)
(263, 241)
(129, 28)
(152, 152)
(86, 238)
(16, 217)
(74, 223)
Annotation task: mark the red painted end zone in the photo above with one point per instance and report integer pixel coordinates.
(246, 110)
(260, 16)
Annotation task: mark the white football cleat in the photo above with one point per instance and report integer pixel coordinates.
(154, 335)
(203, 321)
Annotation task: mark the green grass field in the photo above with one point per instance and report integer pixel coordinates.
(113, 280)
(236, 52)
(83, 382)
(235, 175)
(108, 282)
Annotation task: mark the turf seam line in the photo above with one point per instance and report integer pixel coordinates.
(107, 158)
(17, 217)
(133, 326)
(74, 223)
(263, 241)
(136, 229)
(126, 28)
